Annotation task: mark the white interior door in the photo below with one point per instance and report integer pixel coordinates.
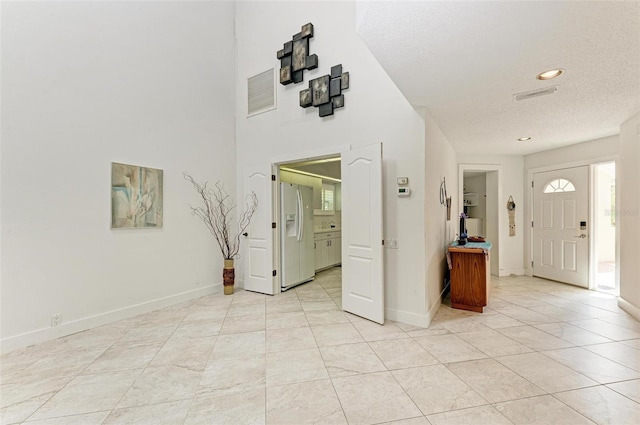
(561, 208)
(362, 261)
(258, 258)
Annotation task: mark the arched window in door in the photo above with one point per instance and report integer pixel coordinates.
(559, 186)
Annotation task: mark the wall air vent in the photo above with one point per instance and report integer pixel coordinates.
(534, 93)
(261, 93)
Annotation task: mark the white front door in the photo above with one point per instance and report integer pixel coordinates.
(258, 253)
(362, 261)
(560, 225)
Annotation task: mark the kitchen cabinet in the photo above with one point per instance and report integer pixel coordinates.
(328, 249)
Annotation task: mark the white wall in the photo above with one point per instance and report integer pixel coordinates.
(440, 163)
(628, 217)
(510, 248)
(85, 84)
(492, 225)
(374, 111)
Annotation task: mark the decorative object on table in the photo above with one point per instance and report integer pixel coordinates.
(136, 196)
(325, 92)
(511, 209)
(462, 240)
(216, 211)
(294, 56)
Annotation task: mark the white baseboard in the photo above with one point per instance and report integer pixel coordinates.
(407, 317)
(508, 272)
(41, 335)
(629, 308)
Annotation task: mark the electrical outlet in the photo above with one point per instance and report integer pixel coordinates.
(56, 319)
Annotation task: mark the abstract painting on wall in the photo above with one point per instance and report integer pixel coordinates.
(136, 196)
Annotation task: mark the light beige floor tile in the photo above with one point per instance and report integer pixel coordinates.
(461, 324)
(284, 307)
(96, 418)
(497, 321)
(339, 334)
(326, 317)
(635, 343)
(371, 331)
(247, 344)
(493, 381)
(571, 334)
(57, 365)
(623, 320)
(493, 343)
(524, 315)
(123, 358)
(534, 338)
(147, 334)
(246, 309)
(430, 331)
(240, 324)
(618, 352)
(607, 330)
(546, 373)
(157, 414)
(160, 385)
(421, 420)
(435, 389)
(318, 305)
(246, 408)
(558, 313)
(374, 398)
(192, 353)
(592, 365)
(602, 405)
(294, 366)
(305, 403)
(350, 359)
(241, 296)
(198, 329)
(289, 339)
(296, 319)
(542, 410)
(18, 401)
(402, 353)
(229, 375)
(629, 389)
(88, 393)
(482, 415)
(449, 348)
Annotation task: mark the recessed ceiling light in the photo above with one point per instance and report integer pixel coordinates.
(524, 139)
(552, 73)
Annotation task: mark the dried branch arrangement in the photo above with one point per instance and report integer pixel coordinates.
(216, 212)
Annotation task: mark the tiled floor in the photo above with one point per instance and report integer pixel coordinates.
(542, 353)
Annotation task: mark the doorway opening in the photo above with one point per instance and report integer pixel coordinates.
(480, 197)
(310, 236)
(604, 231)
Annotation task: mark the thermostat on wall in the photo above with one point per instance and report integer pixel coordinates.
(404, 191)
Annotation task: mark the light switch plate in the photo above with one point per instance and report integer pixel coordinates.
(403, 181)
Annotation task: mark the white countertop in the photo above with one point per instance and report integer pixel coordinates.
(326, 229)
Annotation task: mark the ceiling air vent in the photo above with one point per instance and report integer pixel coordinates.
(534, 93)
(261, 93)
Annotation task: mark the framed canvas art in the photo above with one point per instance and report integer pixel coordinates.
(136, 196)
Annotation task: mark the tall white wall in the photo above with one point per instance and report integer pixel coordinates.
(510, 248)
(440, 163)
(374, 111)
(629, 215)
(85, 84)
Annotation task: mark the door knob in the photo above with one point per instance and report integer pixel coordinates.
(245, 234)
(582, 236)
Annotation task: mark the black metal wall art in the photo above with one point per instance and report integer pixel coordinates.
(294, 56)
(325, 92)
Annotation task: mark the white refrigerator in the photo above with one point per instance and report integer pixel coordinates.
(296, 235)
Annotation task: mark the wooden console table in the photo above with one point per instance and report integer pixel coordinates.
(470, 275)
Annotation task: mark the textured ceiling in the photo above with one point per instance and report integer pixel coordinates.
(464, 61)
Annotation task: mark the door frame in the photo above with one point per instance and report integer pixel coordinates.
(501, 220)
(276, 162)
(529, 211)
